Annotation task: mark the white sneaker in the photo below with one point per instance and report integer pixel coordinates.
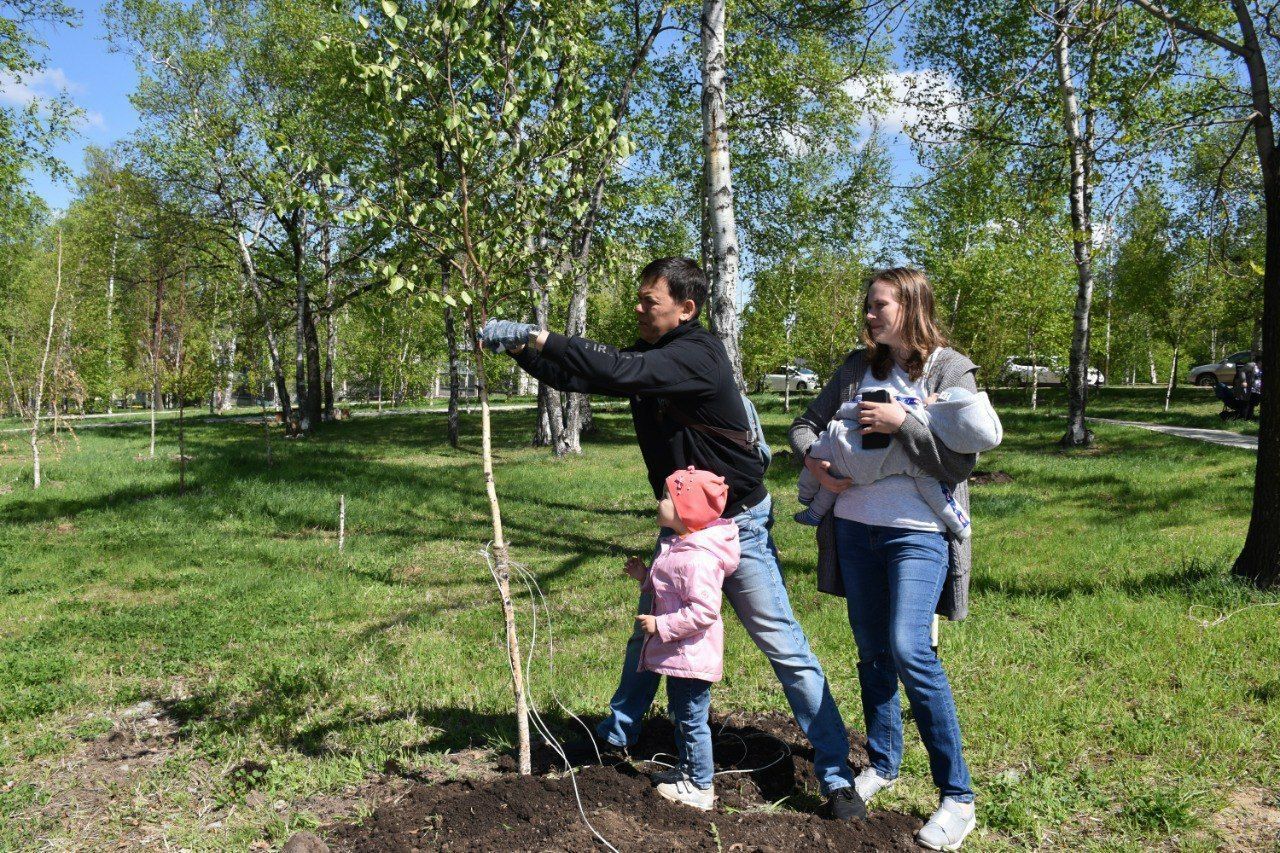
(949, 825)
(868, 783)
(688, 793)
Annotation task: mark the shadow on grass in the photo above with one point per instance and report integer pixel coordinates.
(229, 468)
(1193, 579)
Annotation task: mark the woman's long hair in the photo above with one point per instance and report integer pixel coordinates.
(921, 332)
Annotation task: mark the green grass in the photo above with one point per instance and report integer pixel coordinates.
(1189, 406)
(1098, 711)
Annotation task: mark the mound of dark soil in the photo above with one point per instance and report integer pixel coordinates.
(772, 804)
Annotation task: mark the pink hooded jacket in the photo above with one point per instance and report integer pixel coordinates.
(685, 581)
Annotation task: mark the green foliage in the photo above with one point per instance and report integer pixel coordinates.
(996, 251)
(490, 127)
(811, 311)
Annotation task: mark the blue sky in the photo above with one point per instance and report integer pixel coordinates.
(100, 83)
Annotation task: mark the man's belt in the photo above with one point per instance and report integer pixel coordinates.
(746, 502)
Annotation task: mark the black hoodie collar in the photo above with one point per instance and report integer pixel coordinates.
(680, 331)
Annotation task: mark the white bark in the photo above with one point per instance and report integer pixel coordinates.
(249, 274)
(1082, 229)
(111, 298)
(44, 363)
(719, 186)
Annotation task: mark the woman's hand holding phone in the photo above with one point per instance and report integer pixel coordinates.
(879, 418)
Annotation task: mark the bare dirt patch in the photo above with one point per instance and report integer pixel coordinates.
(770, 804)
(988, 478)
(1251, 822)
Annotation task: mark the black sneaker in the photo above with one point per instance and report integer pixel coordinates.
(847, 805)
(589, 751)
(670, 776)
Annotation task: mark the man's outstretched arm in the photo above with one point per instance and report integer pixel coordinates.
(552, 374)
(672, 369)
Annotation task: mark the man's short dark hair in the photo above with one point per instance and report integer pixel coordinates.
(685, 280)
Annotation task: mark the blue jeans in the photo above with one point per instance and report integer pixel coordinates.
(892, 578)
(688, 702)
(756, 593)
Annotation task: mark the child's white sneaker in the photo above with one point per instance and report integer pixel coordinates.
(949, 825)
(868, 783)
(688, 793)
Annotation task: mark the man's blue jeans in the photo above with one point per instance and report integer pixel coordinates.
(689, 703)
(892, 580)
(756, 593)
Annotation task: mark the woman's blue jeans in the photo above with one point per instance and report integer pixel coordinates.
(892, 579)
(689, 703)
(757, 594)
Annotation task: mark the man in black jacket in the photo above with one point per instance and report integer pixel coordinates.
(687, 411)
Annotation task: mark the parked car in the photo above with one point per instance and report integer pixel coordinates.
(799, 378)
(1219, 371)
(1018, 370)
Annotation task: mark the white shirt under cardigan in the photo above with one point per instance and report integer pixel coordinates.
(893, 501)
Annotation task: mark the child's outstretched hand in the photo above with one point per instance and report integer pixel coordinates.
(648, 624)
(636, 568)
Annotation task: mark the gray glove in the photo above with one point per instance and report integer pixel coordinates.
(500, 335)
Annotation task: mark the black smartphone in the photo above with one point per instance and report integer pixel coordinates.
(876, 440)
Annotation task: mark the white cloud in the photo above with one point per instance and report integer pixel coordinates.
(21, 90)
(909, 101)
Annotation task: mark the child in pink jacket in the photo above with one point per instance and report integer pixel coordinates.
(684, 636)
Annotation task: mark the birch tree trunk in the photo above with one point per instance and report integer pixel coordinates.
(301, 310)
(1080, 144)
(182, 391)
(111, 299)
(155, 359)
(249, 274)
(1173, 377)
(571, 438)
(451, 340)
(229, 378)
(44, 363)
(502, 562)
(314, 410)
(719, 186)
(330, 326)
(550, 427)
(1035, 374)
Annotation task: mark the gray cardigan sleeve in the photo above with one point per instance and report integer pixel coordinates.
(806, 428)
(923, 447)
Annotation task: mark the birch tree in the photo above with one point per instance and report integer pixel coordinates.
(718, 198)
(38, 404)
(1006, 63)
(481, 110)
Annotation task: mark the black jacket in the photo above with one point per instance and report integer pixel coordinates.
(687, 368)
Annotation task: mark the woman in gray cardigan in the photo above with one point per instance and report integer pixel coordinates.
(884, 549)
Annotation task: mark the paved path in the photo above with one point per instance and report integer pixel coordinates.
(1214, 436)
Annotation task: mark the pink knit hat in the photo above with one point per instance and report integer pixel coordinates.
(699, 496)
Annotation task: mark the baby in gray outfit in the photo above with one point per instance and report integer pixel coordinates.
(963, 421)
